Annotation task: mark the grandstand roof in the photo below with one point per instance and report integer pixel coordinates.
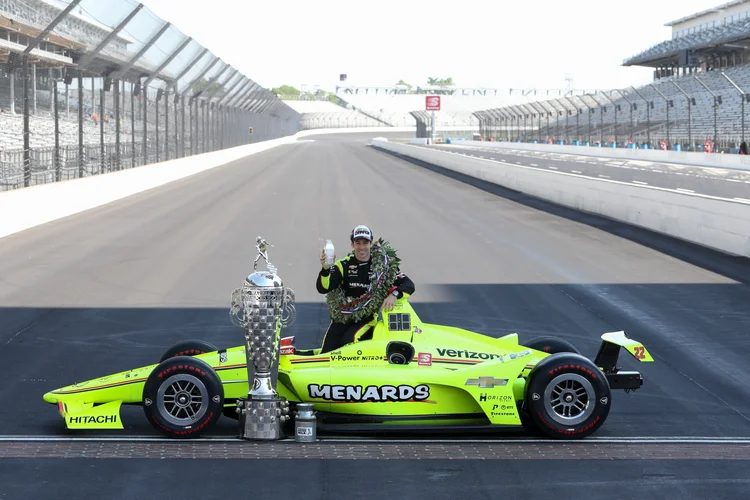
(702, 13)
(667, 52)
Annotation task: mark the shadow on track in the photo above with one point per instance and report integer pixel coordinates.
(687, 391)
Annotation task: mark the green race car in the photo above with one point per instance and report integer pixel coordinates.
(409, 375)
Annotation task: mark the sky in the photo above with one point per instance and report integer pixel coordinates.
(485, 43)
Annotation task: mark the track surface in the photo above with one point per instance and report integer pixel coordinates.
(720, 182)
(112, 288)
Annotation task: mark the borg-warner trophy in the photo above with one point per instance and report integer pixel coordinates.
(259, 307)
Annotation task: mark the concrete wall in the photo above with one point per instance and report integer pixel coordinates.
(719, 224)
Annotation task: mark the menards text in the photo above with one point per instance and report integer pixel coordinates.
(371, 393)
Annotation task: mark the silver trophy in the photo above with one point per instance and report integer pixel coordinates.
(262, 306)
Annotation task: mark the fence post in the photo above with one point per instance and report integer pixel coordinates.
(116, 83)
(80, 124)
(26, 138)
(102, 112)
(144, 93)
(56, 111)
(132, 125)
(166, 124)
(742, 100)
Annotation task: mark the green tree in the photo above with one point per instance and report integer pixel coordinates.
(440, 82)
(209, 87)
(285, 90)
(402, 82)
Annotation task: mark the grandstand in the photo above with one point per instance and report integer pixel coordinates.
(320, 112)
(131, 90)
(396, 106)
(697, 98)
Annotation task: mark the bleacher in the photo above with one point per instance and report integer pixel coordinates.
(42, 131)
(690, 122)
(318, 113)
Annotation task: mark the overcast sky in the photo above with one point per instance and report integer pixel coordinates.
(488, 43)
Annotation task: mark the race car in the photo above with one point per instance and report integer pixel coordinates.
(409, 375)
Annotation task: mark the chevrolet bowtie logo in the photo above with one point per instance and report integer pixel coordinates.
(487, 382)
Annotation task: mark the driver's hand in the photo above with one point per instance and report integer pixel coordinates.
(388, 303)
(323, 259)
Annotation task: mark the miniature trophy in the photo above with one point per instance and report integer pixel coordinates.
(259, 307)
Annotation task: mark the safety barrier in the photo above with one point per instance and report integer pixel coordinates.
(741, 162)
(713, 222)
(39, 204)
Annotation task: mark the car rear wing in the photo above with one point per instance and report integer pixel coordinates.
(608, 355)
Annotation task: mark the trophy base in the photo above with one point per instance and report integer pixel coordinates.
(262, 419)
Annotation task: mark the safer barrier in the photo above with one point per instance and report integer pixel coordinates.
(741, 162)
(713, 222)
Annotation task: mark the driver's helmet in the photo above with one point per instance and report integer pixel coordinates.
(361, 231)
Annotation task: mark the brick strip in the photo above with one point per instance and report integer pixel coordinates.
(370, 451)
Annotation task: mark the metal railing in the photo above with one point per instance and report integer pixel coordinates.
(104, 85)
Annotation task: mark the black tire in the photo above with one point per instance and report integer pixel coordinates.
(183, 377)
(551, 345)
(188, 348)
(567, 375)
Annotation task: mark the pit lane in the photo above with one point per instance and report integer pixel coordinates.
(110, 289)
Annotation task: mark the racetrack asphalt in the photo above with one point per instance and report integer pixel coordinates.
(112, 288)
(731, 184)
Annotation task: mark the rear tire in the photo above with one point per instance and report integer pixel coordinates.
(567, 396)
(551, 345)
(183, 397)
(188, 348)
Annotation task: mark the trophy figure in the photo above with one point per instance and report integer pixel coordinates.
(259, 307)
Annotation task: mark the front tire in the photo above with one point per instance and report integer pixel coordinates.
(183, 397)
(568, 396)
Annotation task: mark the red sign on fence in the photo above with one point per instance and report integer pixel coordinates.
(432, 103)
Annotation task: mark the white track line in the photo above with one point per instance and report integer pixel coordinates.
(499, 440)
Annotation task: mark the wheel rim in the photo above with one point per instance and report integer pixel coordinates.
(182, 399)
(569, 399)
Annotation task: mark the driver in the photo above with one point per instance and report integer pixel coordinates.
(353, 276)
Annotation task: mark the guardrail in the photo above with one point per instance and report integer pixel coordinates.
(709, 221)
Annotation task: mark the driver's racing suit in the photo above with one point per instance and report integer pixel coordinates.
(353, 277)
